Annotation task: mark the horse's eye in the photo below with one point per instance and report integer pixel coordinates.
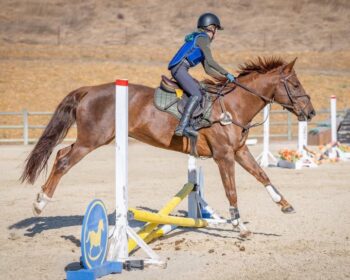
(296, 86)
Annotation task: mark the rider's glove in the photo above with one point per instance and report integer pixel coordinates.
(230, 77)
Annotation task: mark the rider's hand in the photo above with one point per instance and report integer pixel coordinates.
(230, 77)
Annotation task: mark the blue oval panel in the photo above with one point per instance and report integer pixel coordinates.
(94, 235)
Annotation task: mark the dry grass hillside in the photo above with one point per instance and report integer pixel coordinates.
(48, 48)
(265, 25)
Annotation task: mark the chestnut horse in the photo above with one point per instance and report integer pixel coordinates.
(270, 80)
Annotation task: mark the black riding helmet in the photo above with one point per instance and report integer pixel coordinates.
(209, 19)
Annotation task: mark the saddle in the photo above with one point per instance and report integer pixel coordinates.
(170, 85)
(168, 99)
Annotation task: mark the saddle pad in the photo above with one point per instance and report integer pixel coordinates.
(162, 100)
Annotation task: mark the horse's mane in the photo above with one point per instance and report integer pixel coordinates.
(259, 65)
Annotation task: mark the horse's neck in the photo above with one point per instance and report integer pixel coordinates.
(245, 105)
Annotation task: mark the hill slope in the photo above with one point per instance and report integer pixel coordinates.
(250, 25)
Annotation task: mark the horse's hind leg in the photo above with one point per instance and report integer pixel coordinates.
(247, 161)
(66, 158)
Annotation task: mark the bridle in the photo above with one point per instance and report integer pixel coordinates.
(285, 81)
(292, 98)
(292, 105)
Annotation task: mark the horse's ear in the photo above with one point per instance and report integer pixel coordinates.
(289, 67)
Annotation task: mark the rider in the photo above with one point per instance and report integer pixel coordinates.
(196, 49)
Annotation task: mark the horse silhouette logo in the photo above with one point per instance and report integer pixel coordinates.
(94, 235)
(94, 238)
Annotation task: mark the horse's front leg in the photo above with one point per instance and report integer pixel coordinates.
(226, 163)
(248, 162)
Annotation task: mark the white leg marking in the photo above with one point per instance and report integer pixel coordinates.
(235, 223)
(39, 204)
(238, 223)
(274, 195)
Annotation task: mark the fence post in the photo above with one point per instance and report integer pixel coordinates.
(333, 118)
(25, 127)
(289, 126)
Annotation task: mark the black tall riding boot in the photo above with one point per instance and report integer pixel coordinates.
(183, 127)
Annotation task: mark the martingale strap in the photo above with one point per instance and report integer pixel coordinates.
(220, 95)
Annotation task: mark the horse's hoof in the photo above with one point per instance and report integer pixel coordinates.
(36, 210)
(40, 203)
(288, 210)
(245, 233)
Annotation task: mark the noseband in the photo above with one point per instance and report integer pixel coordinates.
(293, 98)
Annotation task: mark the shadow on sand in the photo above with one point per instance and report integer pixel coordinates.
(36, 225)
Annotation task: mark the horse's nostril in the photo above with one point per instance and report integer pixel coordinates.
(312, 114)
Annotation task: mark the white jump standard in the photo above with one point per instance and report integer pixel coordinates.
(335, 151)
(118, 244)
(199, 212)
(266, 158)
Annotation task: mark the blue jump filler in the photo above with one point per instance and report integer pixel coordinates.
(94, 243)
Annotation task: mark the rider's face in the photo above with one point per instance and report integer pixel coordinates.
(212, 33)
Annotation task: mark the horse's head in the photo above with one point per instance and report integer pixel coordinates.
(291, 94)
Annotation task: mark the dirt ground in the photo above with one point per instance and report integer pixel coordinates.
(313, 243)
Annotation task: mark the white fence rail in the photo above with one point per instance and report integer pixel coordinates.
(26, 127)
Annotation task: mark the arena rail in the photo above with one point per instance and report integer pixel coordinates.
(26, 127)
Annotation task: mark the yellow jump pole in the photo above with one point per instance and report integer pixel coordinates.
(147, 233)
(158, 232)
(158, 218)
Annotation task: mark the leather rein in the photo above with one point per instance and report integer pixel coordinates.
(293, 100)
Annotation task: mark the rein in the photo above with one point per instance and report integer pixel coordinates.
(284, 80)
(267, 100)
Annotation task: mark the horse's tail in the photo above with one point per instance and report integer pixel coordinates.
(62, 119)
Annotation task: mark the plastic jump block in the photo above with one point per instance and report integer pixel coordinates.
(96, 272)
